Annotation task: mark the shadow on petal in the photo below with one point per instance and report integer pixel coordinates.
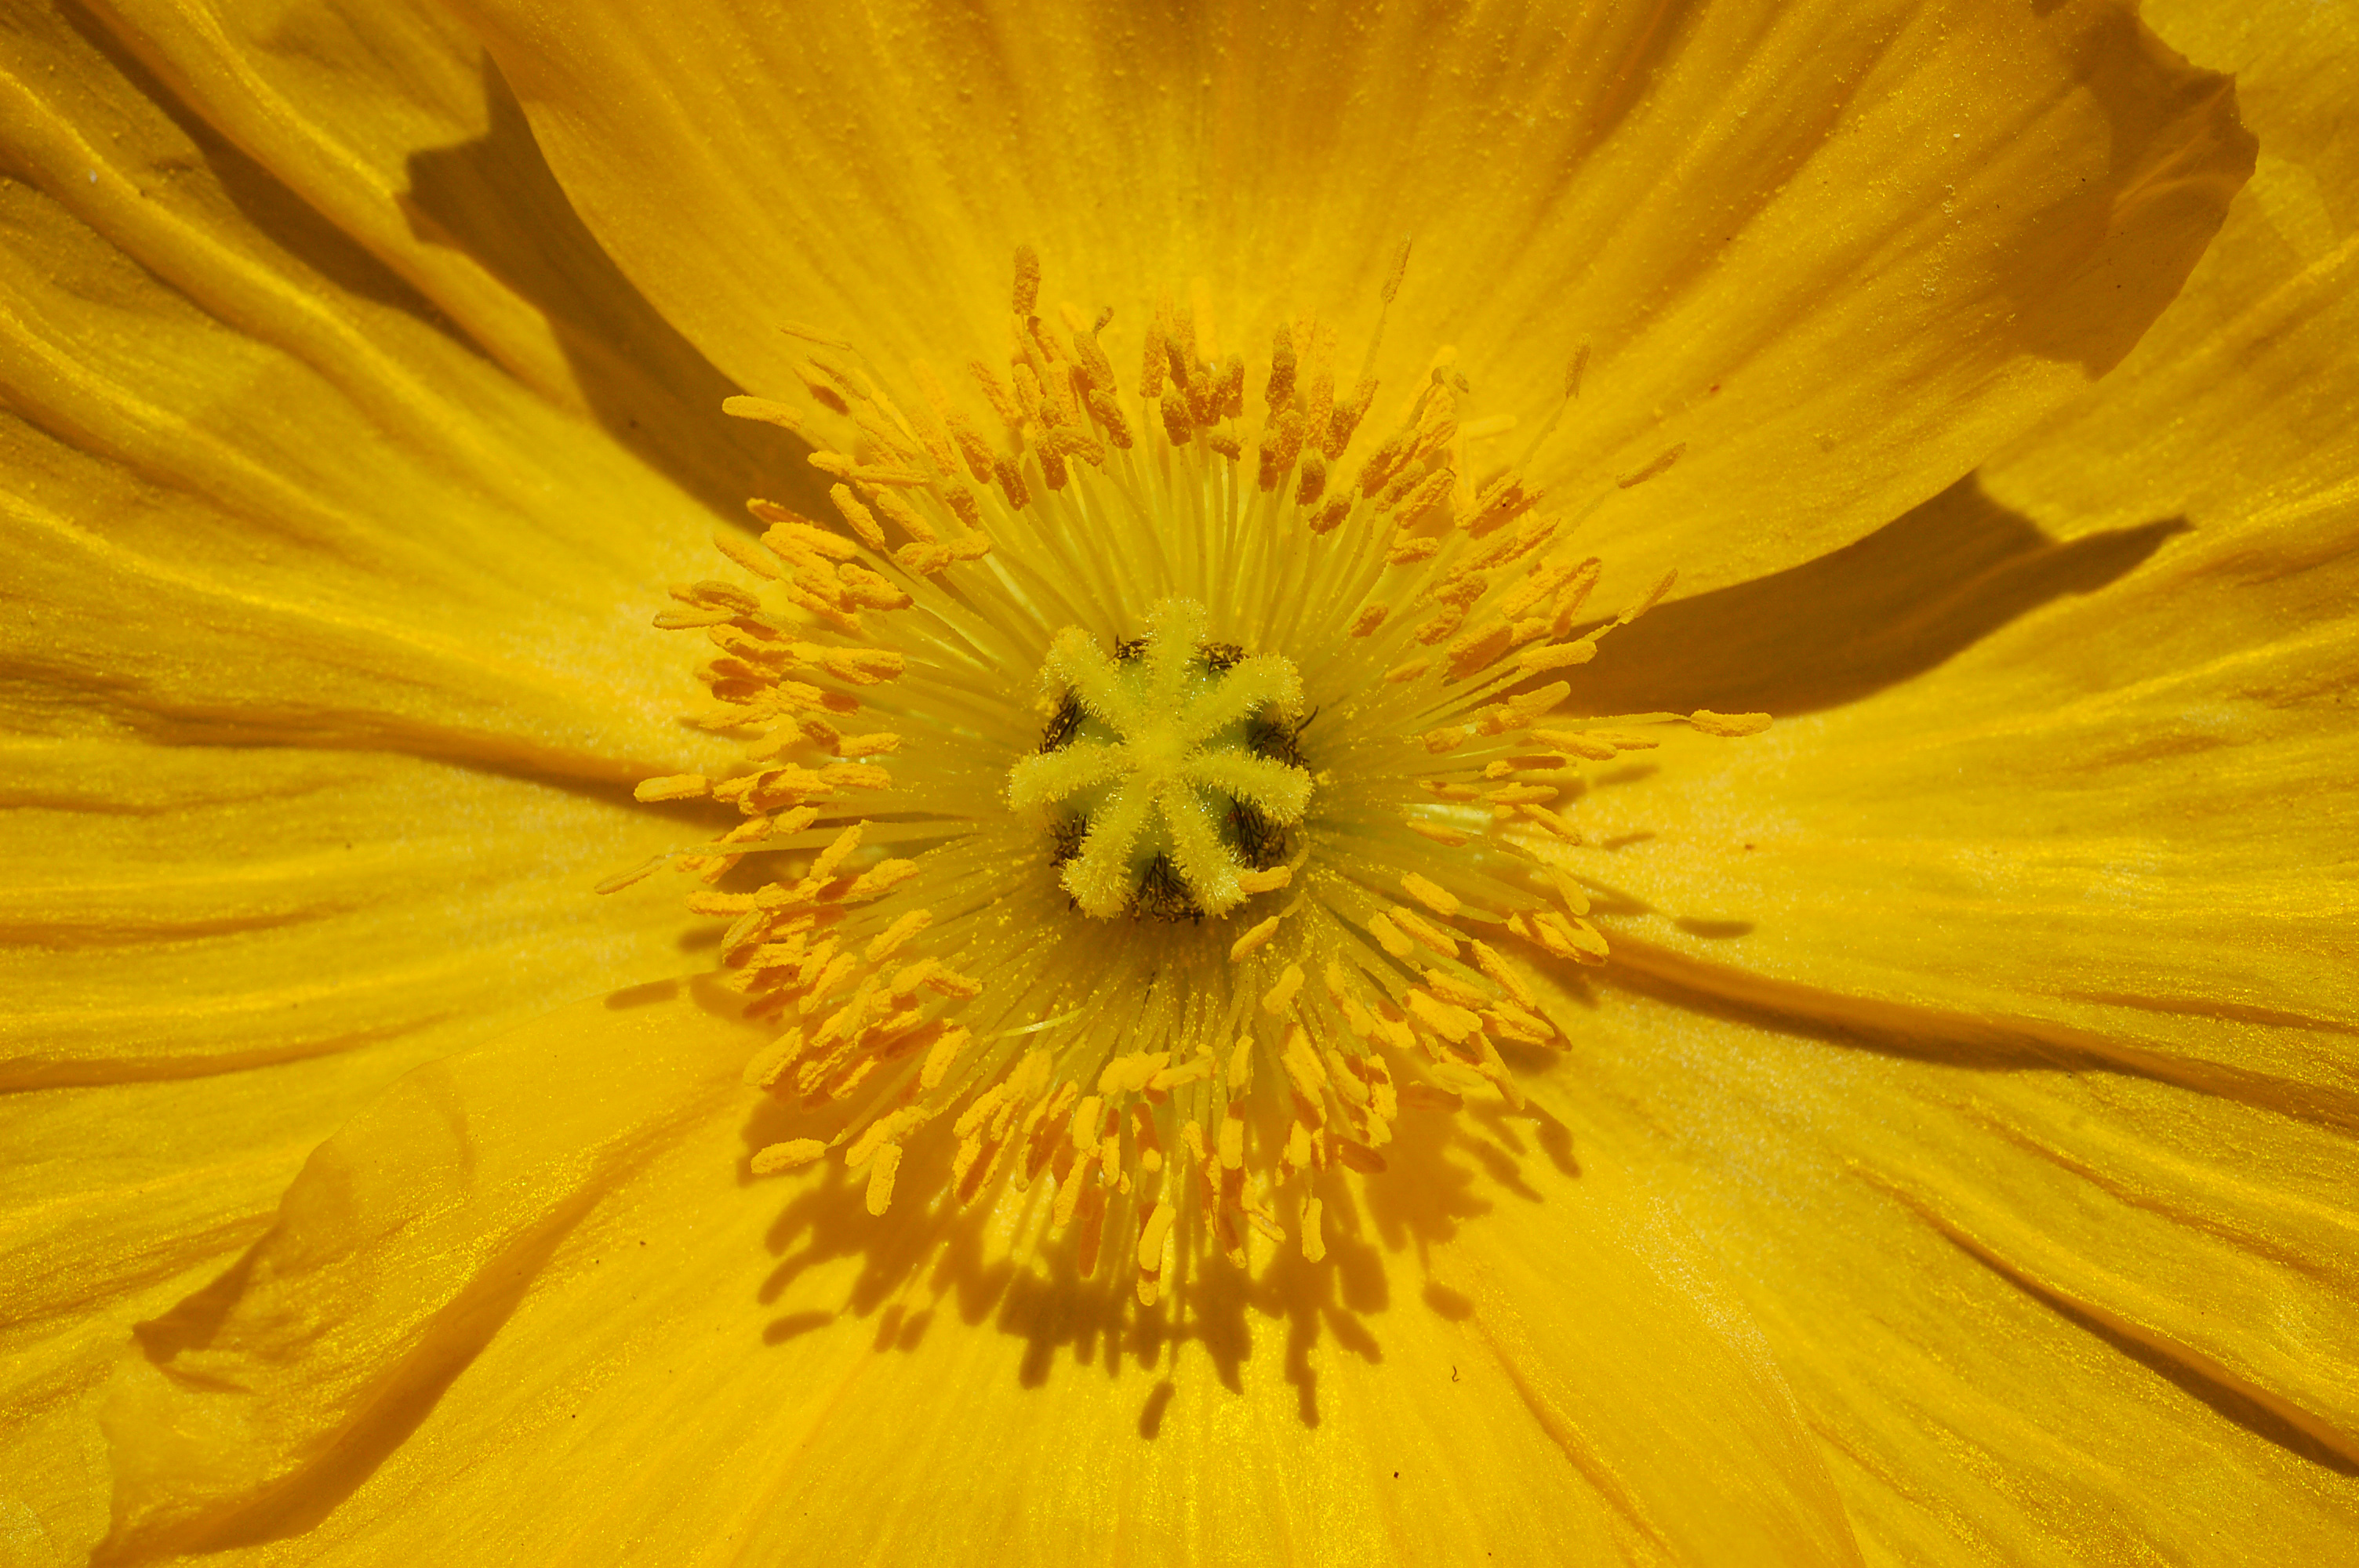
(1915, 592)
(1073, 1300)
(2097, 267)
(496, 198)
(2246, 1407)
(1917, 1033)
(1932, 1034)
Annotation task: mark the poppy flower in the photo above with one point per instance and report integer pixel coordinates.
(1539, 783)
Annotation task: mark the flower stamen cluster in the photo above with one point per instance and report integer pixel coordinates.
(946, 964)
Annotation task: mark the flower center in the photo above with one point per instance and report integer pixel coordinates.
(1161, 758)
(1320, 959)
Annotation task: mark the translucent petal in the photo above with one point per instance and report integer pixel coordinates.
(1834, 252)
(2122, 824)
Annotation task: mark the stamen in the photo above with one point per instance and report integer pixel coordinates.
(1660, 464)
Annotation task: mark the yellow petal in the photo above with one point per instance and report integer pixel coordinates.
(2245, 1276)
(406, 1240)
(2021, 1303)
(213, 957)
(2237, 402)
(174, 911)
(2071, 885)
(1836, 253)
(256, 495)
(332, 106)
(1621, 1340)
(388, 122)
(768, 1366)
(2118, 820)
(2158, 876)
(116, 1201)
(2122, 824)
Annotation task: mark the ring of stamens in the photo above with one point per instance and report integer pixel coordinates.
(939, 956)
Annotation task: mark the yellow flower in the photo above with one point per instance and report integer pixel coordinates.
(1952, 1164)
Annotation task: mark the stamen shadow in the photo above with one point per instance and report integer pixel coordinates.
(924, 1259)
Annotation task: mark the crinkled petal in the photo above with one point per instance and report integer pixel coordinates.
(2121, 823)
(117, 1200)
(2236, 404)
(400, 1249)
(176, 911)
(2045, 937)
(213, 957)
